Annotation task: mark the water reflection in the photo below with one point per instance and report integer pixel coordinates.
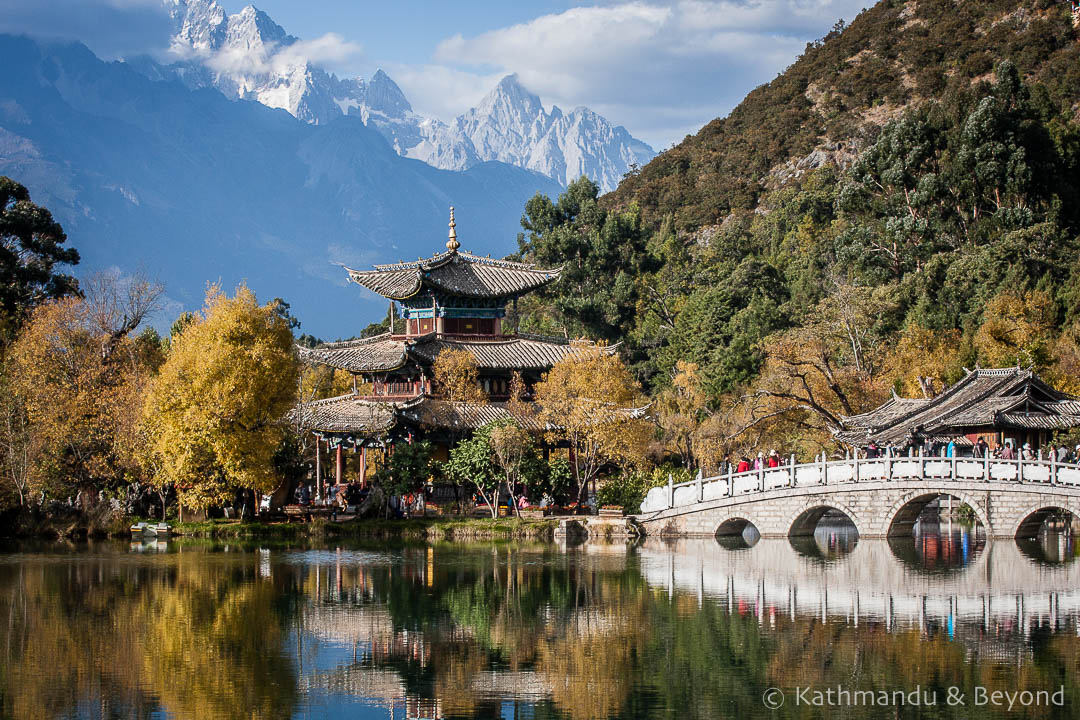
(939, 547)
(691, 628)
(834, 537)
(745, 540)
(1052, 546)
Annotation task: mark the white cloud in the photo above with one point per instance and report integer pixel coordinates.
(441, 91)
(328, 51)
(661, 69)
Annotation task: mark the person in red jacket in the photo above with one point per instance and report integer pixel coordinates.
(744, 465)
(774, 459)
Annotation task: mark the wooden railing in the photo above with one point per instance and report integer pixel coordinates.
(862, 470)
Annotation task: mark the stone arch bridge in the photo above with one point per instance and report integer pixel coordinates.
(883, 497)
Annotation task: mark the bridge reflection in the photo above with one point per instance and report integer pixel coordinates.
(940, 578)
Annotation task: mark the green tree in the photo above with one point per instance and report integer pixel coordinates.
(31, 248)
(599, 251)
(472, 463)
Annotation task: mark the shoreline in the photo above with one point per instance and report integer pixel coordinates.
(441, 528)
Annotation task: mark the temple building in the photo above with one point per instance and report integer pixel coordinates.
(1002, 405)
(453, 300)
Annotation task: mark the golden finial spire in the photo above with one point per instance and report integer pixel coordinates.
(452, 244)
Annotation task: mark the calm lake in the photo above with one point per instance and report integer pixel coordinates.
(682, 629)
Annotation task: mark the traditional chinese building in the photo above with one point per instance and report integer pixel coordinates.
(451, 300)
(1007, 404)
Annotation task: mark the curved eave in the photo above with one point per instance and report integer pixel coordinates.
(391, 284)
(376, 354)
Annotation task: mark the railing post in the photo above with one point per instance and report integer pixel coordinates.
(953, 459)
(700, 487)
(1020, 467)
(922, 465)
(855, 472)
(730, 482)
(1053, 468)
(888, 464)
(986, 462)
(824, 468)
(761, 478)
(791, 481)
(670, 491)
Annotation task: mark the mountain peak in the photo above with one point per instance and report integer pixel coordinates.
(383, 95)
(513, 97)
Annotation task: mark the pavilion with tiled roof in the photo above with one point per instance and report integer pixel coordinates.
(997, 405)
(454, 300)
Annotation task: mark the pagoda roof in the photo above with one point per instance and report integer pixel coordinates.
(1000, 398)
(454, 273)
(351, 414)
(386, 352)
(347, 413)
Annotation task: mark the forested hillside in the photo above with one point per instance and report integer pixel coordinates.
(898, 205)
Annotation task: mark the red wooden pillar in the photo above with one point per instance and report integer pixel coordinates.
(339, 465)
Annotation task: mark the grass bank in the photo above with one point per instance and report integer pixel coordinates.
(415, 529)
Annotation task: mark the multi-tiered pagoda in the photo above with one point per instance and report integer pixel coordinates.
(452, 300)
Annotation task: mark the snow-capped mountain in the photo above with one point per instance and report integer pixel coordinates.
(188, 186)
(249, 56)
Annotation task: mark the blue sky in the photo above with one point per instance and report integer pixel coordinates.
(662, 69)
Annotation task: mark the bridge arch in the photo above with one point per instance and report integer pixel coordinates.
(901, 517)
(735, 523)
(1031, 519)
(803, 522)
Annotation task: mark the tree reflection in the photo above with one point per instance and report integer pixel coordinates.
(193, 636)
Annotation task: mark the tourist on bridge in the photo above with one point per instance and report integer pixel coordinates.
(759, 461)
(774, 459)
(980, 448)
(1007, 452)
(744, 465)
(1026, 452)
(872, 451)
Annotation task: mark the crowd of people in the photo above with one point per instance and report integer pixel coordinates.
(931, 447)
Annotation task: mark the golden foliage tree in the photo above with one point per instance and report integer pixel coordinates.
(681, 412)
(813, 375)
(457, 377)
(1065, 374)
(76, 379)
(588, 395)
(1016, 330)
(924, 361)
(215, 413)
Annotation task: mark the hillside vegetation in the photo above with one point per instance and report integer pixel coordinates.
(898, 205)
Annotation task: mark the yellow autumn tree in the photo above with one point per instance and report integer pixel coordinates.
(215, 414)
(74, 384)
(1016, 330)
(1065, 374)
(681, 411)
(924, 361)
(588, 396)
(457, 377)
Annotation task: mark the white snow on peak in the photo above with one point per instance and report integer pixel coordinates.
(245, 56)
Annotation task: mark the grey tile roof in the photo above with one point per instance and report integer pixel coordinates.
(383, 352)
(347, 414)
(457, 273)
(378, 353)
(997, 397)
(359, 416)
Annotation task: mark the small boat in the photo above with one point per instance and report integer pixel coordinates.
(154, 529)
